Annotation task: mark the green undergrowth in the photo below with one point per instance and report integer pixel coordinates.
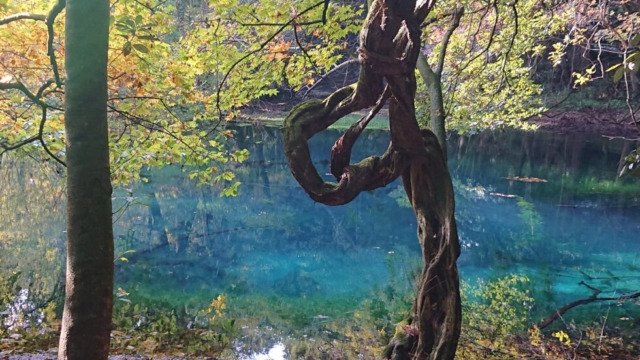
(497, 323)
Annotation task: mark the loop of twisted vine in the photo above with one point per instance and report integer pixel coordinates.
(387, 51)
(389, 45)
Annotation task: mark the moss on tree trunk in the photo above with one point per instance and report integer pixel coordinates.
(389, 45)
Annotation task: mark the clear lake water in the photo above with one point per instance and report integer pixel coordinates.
(547, 206)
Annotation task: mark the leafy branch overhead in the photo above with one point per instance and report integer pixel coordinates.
(167, 70)
(11, 82)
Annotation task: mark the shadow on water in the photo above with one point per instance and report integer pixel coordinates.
(546, 206)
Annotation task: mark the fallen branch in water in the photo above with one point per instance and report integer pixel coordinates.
(558, 313)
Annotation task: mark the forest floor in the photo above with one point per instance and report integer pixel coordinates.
(53, 356)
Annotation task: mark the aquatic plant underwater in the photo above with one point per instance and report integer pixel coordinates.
(198, 274)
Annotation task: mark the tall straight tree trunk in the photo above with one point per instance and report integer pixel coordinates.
(86, 323)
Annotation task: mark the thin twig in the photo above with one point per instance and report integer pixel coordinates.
(304, 51)
(251, 53)
(445, 40)
(20, 86)
(42, 142)
(50, 20)
(337, 67)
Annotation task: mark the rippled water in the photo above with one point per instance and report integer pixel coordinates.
(570, 216)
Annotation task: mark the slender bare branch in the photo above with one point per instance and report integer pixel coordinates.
(302, 48)
(447, 37)
(137, 120)
(492, 34)
(511, 41)
(50, 20)
(251, 53)
(325, 9)
(22, 143)
(22, 88)
(41, 138)
(21, 16)
(43, 87)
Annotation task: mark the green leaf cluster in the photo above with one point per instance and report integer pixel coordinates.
(486, 72)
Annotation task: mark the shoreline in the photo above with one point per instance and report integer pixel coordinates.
(614, 124)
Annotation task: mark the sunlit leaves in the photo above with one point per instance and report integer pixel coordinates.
(583, 78)
(162, 81)
(24, 59)
(234, 30)
(486, 76)
(165, 67)
(631, 164)
(496, 308)
(603, 28)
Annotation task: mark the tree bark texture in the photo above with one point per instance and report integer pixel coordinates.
(436, 101)
(86, 323)
(389, 46)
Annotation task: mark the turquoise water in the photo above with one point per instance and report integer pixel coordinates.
(577, 222)
(571, 220)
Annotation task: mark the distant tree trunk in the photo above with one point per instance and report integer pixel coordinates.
(389, 47)
(86, 323)
(432, 78)
(436, 101)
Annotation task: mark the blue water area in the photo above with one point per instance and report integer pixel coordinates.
(547, 206)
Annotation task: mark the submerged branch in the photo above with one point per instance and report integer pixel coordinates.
(558, 313)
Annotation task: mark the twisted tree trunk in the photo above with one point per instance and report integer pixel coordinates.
(389, 46)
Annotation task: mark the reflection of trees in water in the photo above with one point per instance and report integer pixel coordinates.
(582, 201)
(487, 158)
(191, 232)
(561, 231)
(32, 215)
(579, 168)
(189, 238)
